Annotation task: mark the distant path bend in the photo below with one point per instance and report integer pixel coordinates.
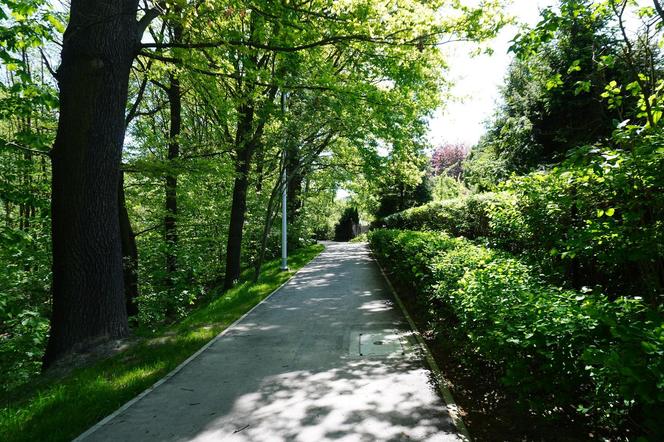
(329, 357)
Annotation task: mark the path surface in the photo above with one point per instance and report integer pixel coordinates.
(328, 357)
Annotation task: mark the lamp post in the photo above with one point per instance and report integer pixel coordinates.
(284, 221)
(284, 208)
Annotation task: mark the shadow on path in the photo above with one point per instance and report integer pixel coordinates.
(296, 369)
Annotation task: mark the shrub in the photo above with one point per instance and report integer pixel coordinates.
(464, 216)
(556, 348)
(598, 219)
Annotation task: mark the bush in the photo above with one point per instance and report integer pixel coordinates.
(464, 216)
(597, 220)
(555, 348)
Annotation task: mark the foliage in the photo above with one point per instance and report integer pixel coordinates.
(556, 349)
(575, 62)
(466, 216)
(447, 159)
(328, 84)
(348, 226)
(484, 168)
(594, 220)
(28, 101)
(61, 408)
(445, 187)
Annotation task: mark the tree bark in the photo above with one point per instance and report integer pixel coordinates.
(174, 93)
(99, 46)
(239, 204)
(129, 253)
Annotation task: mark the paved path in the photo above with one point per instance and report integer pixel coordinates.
(328, 357)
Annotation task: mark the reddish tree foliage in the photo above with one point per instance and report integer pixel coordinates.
(447, 159)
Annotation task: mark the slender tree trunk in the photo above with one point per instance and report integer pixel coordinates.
(260, 174)
(99, 46)
(270, 215)
(659, 8)
(238, 210)
(170, 222)
(174, 93)
(129, 253)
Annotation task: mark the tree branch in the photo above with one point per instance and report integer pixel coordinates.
(659, 8)
(26, 149)
(48, 65)
(322, 42)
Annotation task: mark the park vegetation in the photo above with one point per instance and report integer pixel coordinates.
(143, 150)
(547, 258)
(143, 145)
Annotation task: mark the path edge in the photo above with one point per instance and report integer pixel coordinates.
(186, 362)
(441, 381)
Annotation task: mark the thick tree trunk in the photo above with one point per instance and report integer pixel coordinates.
(129, 253)
(99, 46)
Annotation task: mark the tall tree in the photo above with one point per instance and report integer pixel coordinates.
(99, 46)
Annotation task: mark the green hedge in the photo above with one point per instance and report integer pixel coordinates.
(555, 348)
(597, 220)
(466, 216)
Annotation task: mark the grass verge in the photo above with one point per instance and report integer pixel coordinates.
(61, 409)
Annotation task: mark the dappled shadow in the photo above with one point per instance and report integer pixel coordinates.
(292, 370)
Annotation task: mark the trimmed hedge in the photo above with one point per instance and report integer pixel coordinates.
(466, 216)
(597, 220)
(556, 349)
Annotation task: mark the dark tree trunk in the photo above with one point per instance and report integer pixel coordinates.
(170, 223)
(129, 253)
(174, 93)
(99, 46)
(260, 174)
(238, 210)
(243, 153)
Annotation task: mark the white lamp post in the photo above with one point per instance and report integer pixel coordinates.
(284, 211)
(284, 224)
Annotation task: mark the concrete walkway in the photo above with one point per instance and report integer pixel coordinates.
(327, 357)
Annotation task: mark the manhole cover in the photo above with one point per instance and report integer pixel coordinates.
(376, 343)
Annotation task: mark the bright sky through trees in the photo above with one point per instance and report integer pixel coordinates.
(477, 80)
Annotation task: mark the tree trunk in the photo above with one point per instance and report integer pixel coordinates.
(238, 210)
(99, 46)
(129, 253)
(170, 223)
(174, 93)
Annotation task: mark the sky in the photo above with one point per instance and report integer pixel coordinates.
(477, 81)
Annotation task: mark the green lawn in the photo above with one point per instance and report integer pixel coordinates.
(61, 409)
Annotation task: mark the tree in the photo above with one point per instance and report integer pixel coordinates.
(448, 158)
(348, 225)
(403, 183)
(99, 46)
(560, 71)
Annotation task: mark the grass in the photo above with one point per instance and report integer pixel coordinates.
(61, 409)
